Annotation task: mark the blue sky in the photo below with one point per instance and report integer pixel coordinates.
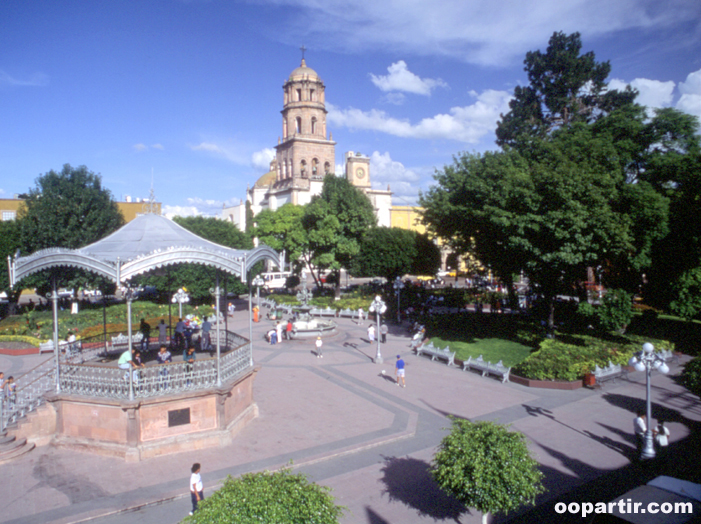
(191, 90)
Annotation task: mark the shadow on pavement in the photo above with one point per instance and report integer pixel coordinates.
(407, 480)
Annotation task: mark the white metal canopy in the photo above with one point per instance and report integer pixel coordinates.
(146, 243)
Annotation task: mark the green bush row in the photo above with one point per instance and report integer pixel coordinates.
(574, 356)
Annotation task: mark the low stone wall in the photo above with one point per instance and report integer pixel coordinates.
(148, 427)
(546, 384)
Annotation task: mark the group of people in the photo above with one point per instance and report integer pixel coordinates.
(274, 335)
(660, 433)
(132, 360)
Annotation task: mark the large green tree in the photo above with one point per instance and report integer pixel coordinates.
(487, 467)
(282, 230)
(391, 252)
(69, 209)
(336, 222)
(564, 87)
(9, 244)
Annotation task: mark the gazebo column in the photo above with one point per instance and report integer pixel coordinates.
(250, 321)
(128, 296)
(54, 306)
(217, 297)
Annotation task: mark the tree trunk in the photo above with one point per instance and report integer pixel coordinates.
(485, 517)
(551, 315)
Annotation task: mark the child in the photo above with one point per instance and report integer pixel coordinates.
(196, 488)
(319, 343)
(11, 391)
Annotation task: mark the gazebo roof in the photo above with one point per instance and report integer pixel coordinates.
(146, 243)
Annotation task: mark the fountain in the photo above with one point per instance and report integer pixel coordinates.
(305, 326)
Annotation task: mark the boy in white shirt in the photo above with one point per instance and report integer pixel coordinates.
(196, 488)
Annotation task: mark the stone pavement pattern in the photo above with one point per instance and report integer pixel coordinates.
(343, 423)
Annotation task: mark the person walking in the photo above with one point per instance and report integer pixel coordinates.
(399, 370)
(318, 344)
(383, 333)
(361, 316)
(196, 487)
(288, 330)
(206, 342)
(371, 333)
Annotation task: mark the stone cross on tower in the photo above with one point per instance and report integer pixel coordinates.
(303, 50)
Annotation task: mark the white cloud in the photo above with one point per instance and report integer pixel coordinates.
(401, 79)
(143, 147)
(35, 80)
(477, 31)
(651, 93)
(464, 124)
(229, 150)
(261, 159)
(198, 207)
(404, 182)
(690, 100)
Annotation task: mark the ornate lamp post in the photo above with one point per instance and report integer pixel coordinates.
(378, 307)
(181, 297)
(258, 282)
(647, 360)
(398, 286)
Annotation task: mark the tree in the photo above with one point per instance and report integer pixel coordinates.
(487, 467)
(336, 222)
(9, 244)
(282, 230)
(199, 279)
(69, 209)
(564, 87)
(393, 252)
(281, 497)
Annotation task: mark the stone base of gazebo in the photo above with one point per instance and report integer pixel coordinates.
(149, 427)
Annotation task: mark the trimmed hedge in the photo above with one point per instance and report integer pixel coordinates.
(573, 356)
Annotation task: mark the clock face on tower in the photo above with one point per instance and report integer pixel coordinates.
(360, 172)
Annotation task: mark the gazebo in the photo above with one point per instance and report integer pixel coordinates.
(165, 408)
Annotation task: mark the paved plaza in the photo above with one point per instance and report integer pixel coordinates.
(347, 426)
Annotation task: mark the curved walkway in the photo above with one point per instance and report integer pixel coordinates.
(348, 426)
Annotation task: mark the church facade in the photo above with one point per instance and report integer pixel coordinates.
(304, 155)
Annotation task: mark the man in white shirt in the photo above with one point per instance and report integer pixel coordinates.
(640, 427)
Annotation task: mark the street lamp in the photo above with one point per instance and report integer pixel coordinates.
(378, 307)
(398, 286)
(181, 297)
(258, 282)
(647, 360)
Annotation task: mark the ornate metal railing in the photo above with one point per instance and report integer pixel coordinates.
(108, 381)
(28, 394)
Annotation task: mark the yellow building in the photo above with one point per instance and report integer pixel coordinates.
(9, 208)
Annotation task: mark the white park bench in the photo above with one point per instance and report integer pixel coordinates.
(434, 352)
(487, 368)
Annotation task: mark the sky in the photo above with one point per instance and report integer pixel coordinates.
(185, 95)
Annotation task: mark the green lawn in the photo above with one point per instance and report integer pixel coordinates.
(492, 349)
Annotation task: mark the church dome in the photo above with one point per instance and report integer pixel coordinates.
(303, 72)
(266, 180)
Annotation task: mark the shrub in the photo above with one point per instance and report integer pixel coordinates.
(280, 497)
(559, 360)
(616, 311)
(487, 467)
(691, 376)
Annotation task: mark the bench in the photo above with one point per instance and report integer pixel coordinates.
(610, 372)
(348, 313)
(328, 312)
(120, 343)
(71, 348)
(435, 353)
(487, 368)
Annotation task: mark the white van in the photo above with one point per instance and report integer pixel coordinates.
(275, 280)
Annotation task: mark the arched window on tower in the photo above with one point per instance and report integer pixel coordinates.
(298, 125)
(312, 95)
(314, 125)
(303, 168)
(315, 166)
(299, 95)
